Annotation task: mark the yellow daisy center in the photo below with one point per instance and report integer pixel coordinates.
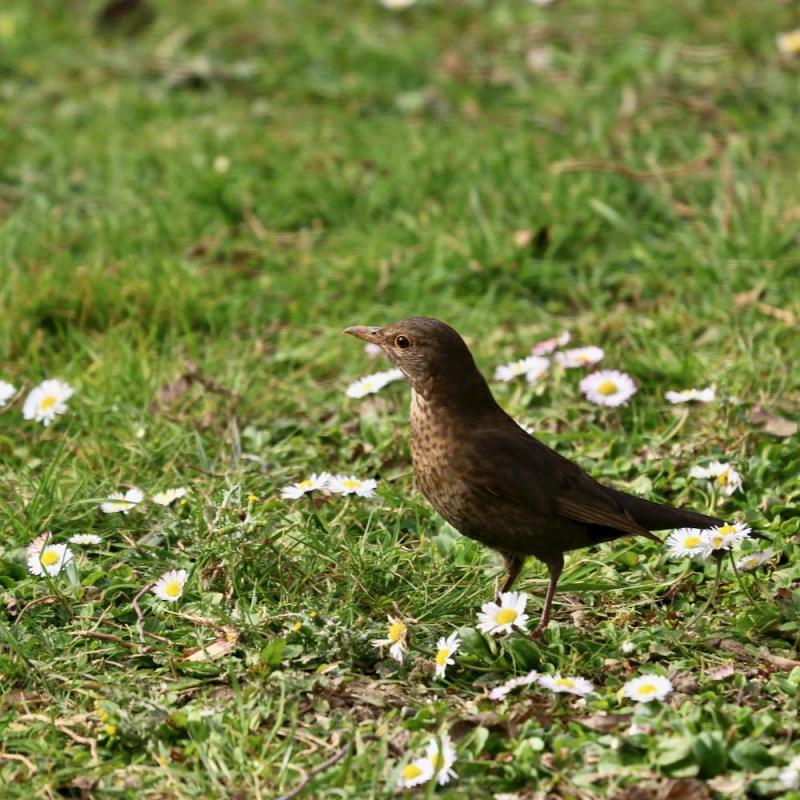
(506, 616)
(647, 689)
(411, 771)
(49, 557)
(437, 759)
(717, 541)
(173, 589)
(397, 631)
(607, 387)
(368, 386)
(351, 484)
(46, 403)
(691, 541)
(306, 484)
(722, 478)
(441, 657)
(567, 683)
(726, 530)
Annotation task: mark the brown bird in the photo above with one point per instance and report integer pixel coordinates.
(489, 478)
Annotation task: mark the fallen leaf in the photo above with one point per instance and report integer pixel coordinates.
(772, 423)
(217, 649)
(604, 722)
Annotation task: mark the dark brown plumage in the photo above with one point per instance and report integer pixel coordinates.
(489, 478)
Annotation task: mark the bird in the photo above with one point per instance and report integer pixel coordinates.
(491, 479)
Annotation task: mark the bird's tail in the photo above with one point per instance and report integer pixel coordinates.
(659, 517)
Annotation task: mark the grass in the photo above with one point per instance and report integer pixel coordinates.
(193, 206)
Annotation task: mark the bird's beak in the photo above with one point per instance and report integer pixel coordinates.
(367, 334)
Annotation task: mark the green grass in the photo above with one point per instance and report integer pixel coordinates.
(379, 165)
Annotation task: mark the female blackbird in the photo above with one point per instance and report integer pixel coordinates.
(493, 481)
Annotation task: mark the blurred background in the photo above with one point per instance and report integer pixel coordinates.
(234, 181)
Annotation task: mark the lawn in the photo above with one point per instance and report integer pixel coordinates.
(196, 199)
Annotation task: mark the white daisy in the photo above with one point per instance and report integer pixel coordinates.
(790, 776)
(170, 585)
(647, 687)
(168, 496)
(532, 367)
(444, 652)
(349, 484)
(85, 538)
(724, 476)
(685, 542)
(548, 345)
(373, 383)
(502, 618)
(415, 773)
(706, 395)
(733, 532)
(579, 357)
(754, 560)
(442, 756)
(570, 685)
(47, 400)
(122, 503)
(396, 5)
(396, 638)
(627, 647)
(38, 543)
(500, 692)
(788, 43)
(50, 560)
(608, 387)
(7, 391)
(315, 482)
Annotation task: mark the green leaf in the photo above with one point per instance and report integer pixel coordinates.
(272, 654)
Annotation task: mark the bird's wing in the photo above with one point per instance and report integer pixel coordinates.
(510, 464)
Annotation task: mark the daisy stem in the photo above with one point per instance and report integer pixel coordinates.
(712, 596)
(740, 579)
(58, 595)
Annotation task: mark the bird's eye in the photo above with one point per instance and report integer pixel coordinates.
(402, 342)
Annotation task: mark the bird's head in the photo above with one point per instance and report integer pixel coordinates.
(429, 353)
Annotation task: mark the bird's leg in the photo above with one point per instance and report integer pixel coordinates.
(514, 563)
(555, 565)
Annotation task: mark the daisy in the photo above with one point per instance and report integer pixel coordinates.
(396, 5)
(685, 542)
(7, 391)
(608, 387)
(706, 395)
(442, 755)
(168, 496)
(532, 367)
(790, 776)
(349, 484)
(47, 400)
(724, 476)
(170, 585)
(733, 532)
(122, 503)
(85, 538)
(50, 560)
(548, 345)
(502, 618)
(579, 357)
(647, 687)
(415, 773)
(753, 560)
(724, 537)
(555, 683)
(444, 652)
(500, 692)
(372, 383)
(789, 43)
(397, 636)
(315, 482)
(626, 648)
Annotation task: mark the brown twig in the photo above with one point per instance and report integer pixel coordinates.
(603, 165)
(23, 759)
